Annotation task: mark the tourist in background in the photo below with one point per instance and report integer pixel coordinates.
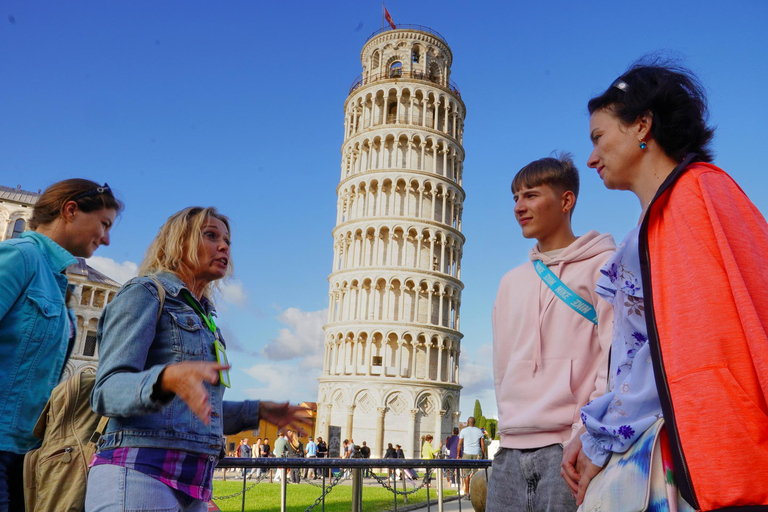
(244, 452)
(280, 451)
(159, 380)
(345, 454)
(689, 284)
(311, 451)
(391, 453)
(72, 218)
(265, 451)
(322, 452)
(255, 453)
(281, 445)
(472, 446)
(452, 446)
(294, 450)
(366, 451)
(427, 450)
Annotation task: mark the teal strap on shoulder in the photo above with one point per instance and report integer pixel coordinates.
(581, 306)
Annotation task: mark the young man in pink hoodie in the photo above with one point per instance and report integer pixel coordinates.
(550, 342)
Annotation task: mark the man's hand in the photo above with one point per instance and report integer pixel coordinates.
(588, 471)
(568, 469)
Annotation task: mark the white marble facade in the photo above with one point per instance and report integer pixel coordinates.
(392, 342)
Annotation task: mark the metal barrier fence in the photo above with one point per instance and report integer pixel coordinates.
(356, 467)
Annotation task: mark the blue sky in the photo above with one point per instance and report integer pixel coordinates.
(240, 105)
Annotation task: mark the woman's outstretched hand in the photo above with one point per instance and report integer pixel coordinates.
(186, 380)
(285, 415)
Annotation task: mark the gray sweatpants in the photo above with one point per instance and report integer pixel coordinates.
(529, 481)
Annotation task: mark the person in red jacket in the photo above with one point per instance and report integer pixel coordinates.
(690, 298)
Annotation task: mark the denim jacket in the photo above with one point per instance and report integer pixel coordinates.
(34, 333)
(134, 348)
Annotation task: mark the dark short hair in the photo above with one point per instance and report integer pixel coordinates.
(559, 172)
(675, 99)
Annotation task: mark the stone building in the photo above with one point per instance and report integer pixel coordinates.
(91, 290)
(392, 342)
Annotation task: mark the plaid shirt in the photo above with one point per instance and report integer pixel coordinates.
(186, 472)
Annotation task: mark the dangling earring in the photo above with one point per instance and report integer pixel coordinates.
(643, 145)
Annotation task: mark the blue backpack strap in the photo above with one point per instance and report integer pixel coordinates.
(574, 301)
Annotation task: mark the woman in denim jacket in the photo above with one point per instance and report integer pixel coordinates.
(71, 218)
(159, 379)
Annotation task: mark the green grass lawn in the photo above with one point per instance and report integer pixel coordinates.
(266, 497)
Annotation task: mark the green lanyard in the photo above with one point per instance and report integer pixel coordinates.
(218, 346)
(208, 319)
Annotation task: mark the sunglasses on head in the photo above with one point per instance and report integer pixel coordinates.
(104, 189)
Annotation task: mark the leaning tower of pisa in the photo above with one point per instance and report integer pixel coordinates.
(392, 342)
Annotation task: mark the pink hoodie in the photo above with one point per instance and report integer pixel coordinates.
(549, 361)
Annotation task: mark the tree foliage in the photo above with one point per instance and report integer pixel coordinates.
(480, 421)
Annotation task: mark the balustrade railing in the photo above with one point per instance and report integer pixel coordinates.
(405, 26)
(332, 473)
(397, 73)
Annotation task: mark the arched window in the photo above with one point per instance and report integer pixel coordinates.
(375, 62)
(396, 70)
(392, 112)
(18, 228)
(434, 74)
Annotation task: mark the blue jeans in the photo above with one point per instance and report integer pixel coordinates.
(118, 489)
(11, 483)
(529, 481)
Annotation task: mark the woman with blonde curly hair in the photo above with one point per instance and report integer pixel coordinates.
(162, 375)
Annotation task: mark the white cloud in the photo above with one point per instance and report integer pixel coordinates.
(280, 382)
(476, 377)
(120, 272)
(233, 293)
(295, 359)
(302, 338)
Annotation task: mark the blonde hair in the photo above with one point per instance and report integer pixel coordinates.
(178, 240)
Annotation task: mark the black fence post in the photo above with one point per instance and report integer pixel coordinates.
(242, 507)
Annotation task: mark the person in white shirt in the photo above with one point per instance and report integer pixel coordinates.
(472, 441)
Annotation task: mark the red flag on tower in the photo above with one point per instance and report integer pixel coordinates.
(389, 18)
